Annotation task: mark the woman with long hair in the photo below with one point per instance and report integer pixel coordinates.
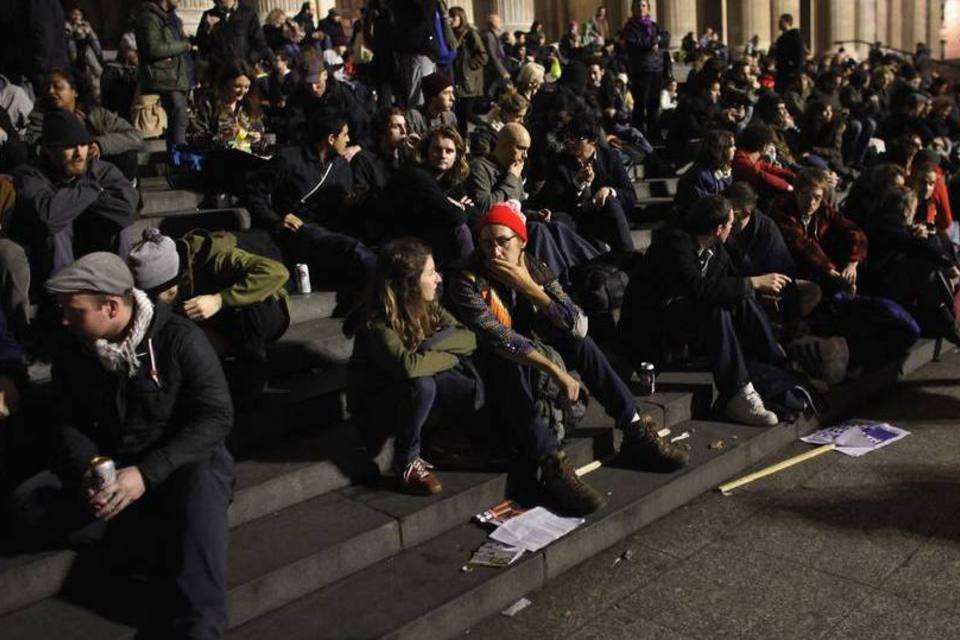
(114, 139)
(228, 126)
(468, 68)
(409, 367)
(436, 208)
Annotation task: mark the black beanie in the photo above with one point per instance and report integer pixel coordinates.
(61, 128)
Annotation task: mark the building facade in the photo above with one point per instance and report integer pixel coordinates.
(899, 24)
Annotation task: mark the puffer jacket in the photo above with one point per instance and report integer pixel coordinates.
(163, 50)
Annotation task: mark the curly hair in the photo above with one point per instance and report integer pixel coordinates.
(395, 298)
(460, 169)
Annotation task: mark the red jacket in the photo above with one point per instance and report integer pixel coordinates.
(938, 209)
(833, 243)
(761, 175)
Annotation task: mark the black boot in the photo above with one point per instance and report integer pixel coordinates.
(570, 493)
(644, 450)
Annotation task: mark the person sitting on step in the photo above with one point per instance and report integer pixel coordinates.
(237, 297)
(529, 327)
(686, 293)
(410, 365)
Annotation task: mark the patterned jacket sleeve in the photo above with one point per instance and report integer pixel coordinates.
(468, 305)
(806, 251)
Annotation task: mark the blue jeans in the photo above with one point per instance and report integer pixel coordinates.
(333, 258)
(175, 104)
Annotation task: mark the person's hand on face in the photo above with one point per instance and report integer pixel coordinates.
(94, 151)
(512, 274)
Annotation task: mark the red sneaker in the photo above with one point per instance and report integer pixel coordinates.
(417, 478)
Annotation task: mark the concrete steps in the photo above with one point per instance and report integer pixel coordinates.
(312, 546)
(295, 501)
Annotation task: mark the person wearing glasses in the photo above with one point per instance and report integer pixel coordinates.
(531, 335)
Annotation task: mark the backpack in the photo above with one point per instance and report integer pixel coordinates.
(598, 287)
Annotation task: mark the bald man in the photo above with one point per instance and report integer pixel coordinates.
(499, 178)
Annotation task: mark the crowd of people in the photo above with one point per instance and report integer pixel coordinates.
(467, 190)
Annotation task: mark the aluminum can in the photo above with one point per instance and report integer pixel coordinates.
(648, 378)
(303, 278)
(103, 472)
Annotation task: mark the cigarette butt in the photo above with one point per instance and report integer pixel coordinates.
(682, 436)
(663, 433)
(587, 468)
(774, 468)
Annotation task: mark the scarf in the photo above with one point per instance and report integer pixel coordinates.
(119, 356)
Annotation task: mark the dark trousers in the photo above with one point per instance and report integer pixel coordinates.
(466, 110)
(449, 244)
(250, 328)
(856, 139)
(411, 405)
(607, 223)
(511, 392)
(646, 108)
(186, 515)
(127, 163)
(727, 335)
(333, 257)
(175, 104)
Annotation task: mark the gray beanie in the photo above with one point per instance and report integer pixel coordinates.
(154, 260)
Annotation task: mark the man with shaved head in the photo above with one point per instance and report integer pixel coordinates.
(499, 177)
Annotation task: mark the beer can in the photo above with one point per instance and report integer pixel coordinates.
(303, 278)
(103, 472)
(648, 378)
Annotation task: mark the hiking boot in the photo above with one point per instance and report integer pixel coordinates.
(644, 450)
(418, 479)
(569, 493)
(746, 407)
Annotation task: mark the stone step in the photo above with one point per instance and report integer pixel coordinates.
(311, 306)
(178, 223)
(659, 187)
(317, 533)
(642, 234)
(162, 202)
(312, 343)
(422, 592)
(324, 460)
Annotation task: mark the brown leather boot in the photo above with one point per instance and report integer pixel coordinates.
(570, 493)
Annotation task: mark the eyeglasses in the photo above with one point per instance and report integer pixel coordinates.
(499, 241)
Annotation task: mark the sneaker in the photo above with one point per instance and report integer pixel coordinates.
(418, 479)
(746, 407)
(570, 493)
(644, 450)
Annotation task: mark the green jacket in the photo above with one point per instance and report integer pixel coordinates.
(380, 358)
(163, 56)
(113, 134)
(213, 263)
(469, 64)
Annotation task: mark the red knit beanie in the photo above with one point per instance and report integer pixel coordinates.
(505, 214)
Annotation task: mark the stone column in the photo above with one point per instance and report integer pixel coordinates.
(780, 7)
(934, 27)
(867, 26)
(746, 19)
(516, 14)
(678, 17)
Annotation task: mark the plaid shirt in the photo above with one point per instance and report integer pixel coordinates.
(830, 240)
(467, 302)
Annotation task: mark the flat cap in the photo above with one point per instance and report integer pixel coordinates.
(99, 272)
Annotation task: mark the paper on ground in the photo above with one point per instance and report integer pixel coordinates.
(496, 554)
(858, 438)
(534, 529)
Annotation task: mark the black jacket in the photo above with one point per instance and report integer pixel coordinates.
(98, 205)
(414, 202)
(136, 421)
(295, 181)
(560, 191)
(237, 36)
(414, 29)
(32, 39)
(791, 52)
(303, 106)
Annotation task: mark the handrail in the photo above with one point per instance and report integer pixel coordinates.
(940, 61)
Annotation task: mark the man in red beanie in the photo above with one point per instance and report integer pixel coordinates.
(531, 334)
(437, 108)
